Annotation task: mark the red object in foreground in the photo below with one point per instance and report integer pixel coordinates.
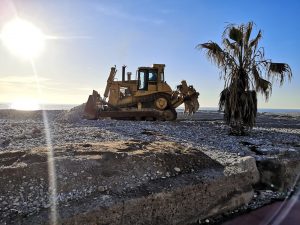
(278, 213)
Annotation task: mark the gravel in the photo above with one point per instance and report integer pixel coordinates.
(274, 135)
(204, 130)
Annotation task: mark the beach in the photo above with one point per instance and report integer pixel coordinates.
(178, 172)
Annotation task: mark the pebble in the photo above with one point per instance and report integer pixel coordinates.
(102, 188)
(241, 154)
(177, 169)
(4, 143)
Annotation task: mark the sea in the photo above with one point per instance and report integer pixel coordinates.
(179, 109)
(261, 110)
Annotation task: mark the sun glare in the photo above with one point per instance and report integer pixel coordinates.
(26, 105)
(23, 38)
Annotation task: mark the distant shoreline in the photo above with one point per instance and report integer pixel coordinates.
(180, 109)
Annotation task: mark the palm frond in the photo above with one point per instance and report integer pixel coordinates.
(228, 44)
(223, 96)
(255, 73)
(261, 85)
(214, 52)
(247, 35)
(254, 42)
(264, 87)
(224, 104)
(280, 71)
(236, 34)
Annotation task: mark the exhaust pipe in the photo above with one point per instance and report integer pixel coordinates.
(123, 73)
(129, 76)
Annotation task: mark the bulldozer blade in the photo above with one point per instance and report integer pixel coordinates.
(90, 109)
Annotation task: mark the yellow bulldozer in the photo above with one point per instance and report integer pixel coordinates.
(148, 97)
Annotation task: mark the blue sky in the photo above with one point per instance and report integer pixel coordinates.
(100, 34)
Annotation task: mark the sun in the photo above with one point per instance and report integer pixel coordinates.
(23, 38)
(26, 105)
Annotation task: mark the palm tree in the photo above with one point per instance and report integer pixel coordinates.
(246, 72)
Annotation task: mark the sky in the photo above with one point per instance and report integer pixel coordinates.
(93, 35)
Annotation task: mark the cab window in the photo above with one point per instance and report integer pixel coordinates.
(152, 76)
(142, 85)
(162, 77)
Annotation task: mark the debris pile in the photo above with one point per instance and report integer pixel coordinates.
(73, 115)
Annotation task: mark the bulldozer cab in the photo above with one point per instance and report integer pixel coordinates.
(149, 76)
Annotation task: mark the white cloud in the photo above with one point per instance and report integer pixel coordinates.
(115, 12)
(22, 79)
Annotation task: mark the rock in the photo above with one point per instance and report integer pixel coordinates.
(36, 132)
(4, 143)
(241, 154)
(86, 145)
(102, 188)
(279, 174)
(177, 169)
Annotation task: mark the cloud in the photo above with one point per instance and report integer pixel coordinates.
(16, 87)
(115, 12)
(22, 79)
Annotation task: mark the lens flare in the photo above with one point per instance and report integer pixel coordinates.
(26, 105)
(23, 38)
(51, 160)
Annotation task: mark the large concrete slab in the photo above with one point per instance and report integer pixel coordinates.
(123, 182)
